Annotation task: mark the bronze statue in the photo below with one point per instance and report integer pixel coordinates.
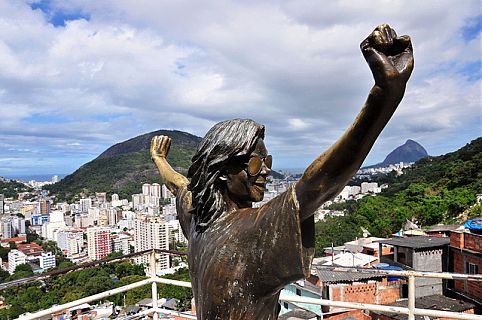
(241, 257)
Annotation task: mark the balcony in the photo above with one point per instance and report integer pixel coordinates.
(156, 312)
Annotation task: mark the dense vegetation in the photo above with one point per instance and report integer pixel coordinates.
(11, 188)
(124, 167)
(75, 285)
(435, 190)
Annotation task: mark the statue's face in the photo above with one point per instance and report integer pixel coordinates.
(246, 185)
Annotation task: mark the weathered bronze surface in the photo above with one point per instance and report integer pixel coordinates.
(241, 257)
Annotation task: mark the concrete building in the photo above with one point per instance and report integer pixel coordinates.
(165, 193)
(70, 241)
(6, 228)
(15, 258)
(101, 197)
(371, 187)
(47, 260)
(2, 204)
(420, 253)
(137, 201)
(85, 204)
(152, 233)
(176, 234)
(39, 219)
(120, 243)
(99, 242)
(44, 206)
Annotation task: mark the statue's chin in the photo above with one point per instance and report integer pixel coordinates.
(257, 195)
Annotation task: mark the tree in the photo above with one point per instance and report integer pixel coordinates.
(31, 237)
(24, 267)
(336, 230)
(12, 245)
(4, 253)
(4, 275)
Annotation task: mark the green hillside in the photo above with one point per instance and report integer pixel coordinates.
(434, 190)
(11, 188)
(124, 167)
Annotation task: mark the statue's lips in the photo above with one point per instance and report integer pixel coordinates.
(260, 183)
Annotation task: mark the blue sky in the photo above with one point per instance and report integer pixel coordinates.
(79, 76)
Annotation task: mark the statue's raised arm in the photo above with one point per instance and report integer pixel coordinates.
(159, 150)
(390, 59)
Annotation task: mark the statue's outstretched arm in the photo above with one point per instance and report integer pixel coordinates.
(159, 150)
(390, 59)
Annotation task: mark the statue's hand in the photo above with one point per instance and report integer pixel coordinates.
(160, 146)
(390, 57)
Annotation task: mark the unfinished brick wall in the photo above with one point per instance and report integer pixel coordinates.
(460, 242)
(374, 292)
(353, 314)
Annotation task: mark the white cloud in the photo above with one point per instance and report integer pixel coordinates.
(294, 66)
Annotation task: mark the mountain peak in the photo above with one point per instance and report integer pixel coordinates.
(410, 151)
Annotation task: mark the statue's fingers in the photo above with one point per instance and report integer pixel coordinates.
(378, 38)
(405, 43)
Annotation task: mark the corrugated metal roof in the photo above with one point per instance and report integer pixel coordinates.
(338, 276)
(417, 242)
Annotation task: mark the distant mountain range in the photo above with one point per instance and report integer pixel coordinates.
(410, 151)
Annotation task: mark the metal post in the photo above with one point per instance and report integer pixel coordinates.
(411, 297)
(154, 285)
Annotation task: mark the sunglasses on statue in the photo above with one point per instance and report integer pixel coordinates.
(255, 164)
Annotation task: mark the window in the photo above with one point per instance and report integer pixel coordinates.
(471, 268)
(298, 292)
(285, 305)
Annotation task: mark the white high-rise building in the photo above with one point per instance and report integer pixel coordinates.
(55, 179)
(2, 204)
(85, 204)
(99, 242)
(6, 228)
(368, 187)
(155, 190)
(137, 201)
(146, 189)
(152, 233)
(70, 241)
(47, 260)
(165, 193)
(15, 258)
(114, 197)
(176, 232)
(120, 243)
(112, 216)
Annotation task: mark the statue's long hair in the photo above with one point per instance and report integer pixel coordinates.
(225, 142)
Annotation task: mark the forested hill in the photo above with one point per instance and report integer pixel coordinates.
(125, 166)
(462, 168)
(434, 190)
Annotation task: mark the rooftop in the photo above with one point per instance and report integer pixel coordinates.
(339, 276)
(433, 302)
(419, 242)
(349, 259)
(444, 227)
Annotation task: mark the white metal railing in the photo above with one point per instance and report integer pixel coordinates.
(411, 311)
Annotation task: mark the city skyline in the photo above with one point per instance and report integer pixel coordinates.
(79, 76)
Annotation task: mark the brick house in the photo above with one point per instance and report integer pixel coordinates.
(466, 257)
